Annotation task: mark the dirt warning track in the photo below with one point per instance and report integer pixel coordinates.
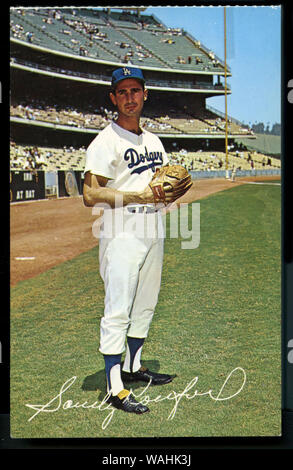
(48, 232)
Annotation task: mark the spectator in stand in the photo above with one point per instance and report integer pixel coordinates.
(40, 162)
(29, 113)
(29, 164)
(29, 36)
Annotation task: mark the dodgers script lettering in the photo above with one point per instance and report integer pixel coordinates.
(134, 158)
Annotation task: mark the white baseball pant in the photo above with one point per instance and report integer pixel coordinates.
(131, 258)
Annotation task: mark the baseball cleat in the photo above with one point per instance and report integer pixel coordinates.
(145, 375)
(128, 403)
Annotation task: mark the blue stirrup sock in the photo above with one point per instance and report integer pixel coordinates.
(133, 354)
(131, 364)
(113, 373)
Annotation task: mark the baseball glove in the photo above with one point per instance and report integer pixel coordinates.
(170, 182)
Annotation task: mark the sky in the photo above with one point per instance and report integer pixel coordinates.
(253, 54)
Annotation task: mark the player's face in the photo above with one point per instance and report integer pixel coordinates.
(129, 97)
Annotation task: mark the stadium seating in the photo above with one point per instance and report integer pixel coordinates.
(148, 42)
(41, 35)
(44, 158)
(201, 160)
(69, 158)
(168, 122)
(122, 38)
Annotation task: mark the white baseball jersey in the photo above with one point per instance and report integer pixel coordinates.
(127, 159)
(130, 264)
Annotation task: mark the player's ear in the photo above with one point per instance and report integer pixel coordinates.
(113, 98)
(145, 93)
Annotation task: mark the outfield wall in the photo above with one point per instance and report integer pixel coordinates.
(239, 173)
(27, 185)
(35, 185)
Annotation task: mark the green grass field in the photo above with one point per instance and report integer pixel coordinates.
(217, 326)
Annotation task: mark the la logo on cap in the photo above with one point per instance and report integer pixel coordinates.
(126, 71)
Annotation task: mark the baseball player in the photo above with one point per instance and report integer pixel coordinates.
(120, 162)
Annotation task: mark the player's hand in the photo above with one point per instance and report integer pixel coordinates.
(147, 196)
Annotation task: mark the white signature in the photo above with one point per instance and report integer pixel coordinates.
(57, 403)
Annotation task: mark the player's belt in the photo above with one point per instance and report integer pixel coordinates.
(142, 210)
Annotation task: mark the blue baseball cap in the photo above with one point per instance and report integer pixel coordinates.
(126, 72)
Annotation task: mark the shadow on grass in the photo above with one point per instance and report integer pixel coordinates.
(97, 381)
